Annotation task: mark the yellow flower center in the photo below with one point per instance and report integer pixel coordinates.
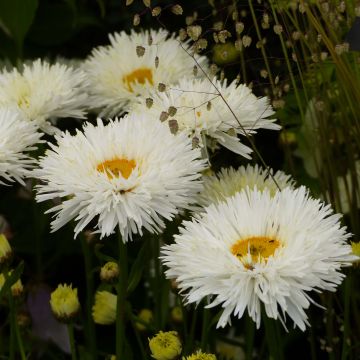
(117, 167)
(259, 247)
(140, 76)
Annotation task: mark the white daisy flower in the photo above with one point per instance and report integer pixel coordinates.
(42, 92)
(200, 111)
(118, 75)
(17, 137)
(258, 249)
(131, 173)
(229, 181)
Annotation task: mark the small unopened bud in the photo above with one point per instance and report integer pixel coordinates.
(278, 29)
(246, 41)
(208, 106)
(64, 303)
(277, 79)
(174, 126)
(129, 2)
(264, 74)
(177, 314)
(104, 308)
(146, 318)
(165, 346)
(182, 34)
(109, 272)
(161, 87)
(201, 44)
(223, 35)
(239, 27)
(238, 44)
(23, 319)
(177, 9)
(149, 102)
(5, 250)
(194, 31)
(147, 3)
(136, 20)
(17, 289)
(156, 62)
(156, 11)
(164, 116)
(140, 50)
(172, 110)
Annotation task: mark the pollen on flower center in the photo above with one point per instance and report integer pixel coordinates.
(117, 167)
(257, 246)
(140, 76)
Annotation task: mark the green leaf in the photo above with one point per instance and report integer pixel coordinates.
(16, 17)
(12, 279)
(138, 267)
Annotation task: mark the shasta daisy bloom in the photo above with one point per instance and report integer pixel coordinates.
(41, 91)
(229, 181)
(200, 111)
(17, 138)
(132, 173)
(120, 72)
(255, 249)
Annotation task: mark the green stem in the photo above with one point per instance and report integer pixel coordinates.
(70, 329)
(90, 326)
(121, 299)
(190, 343)
(273, 341)
(249, 337)
(157, 283)
(15, 330)
(347, 294)
(205, 328)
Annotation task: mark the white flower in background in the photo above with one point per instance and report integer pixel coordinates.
(132, 173)
(17, 137)
(118, 75)
(42, 92)
(200, 111)
(256, 248)
(229, 181)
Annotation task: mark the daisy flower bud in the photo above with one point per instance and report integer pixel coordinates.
(165, 345)
(17, 289)
(104, 308)
(146, 317)
(177, 314)
(109, 272)
(64, 303)
(199, 355)
(5, 250)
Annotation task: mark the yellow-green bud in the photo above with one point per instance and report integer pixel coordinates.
(17, 289)
(146, 317)
(64, 303)
(177, 314)
(5, 250)
(225, 53)
(104, 309)
(199, 355)
(165, 345)
(109, 272)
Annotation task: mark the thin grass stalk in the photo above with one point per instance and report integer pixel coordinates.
(90, 326)
(347, 323)
(121, 300)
